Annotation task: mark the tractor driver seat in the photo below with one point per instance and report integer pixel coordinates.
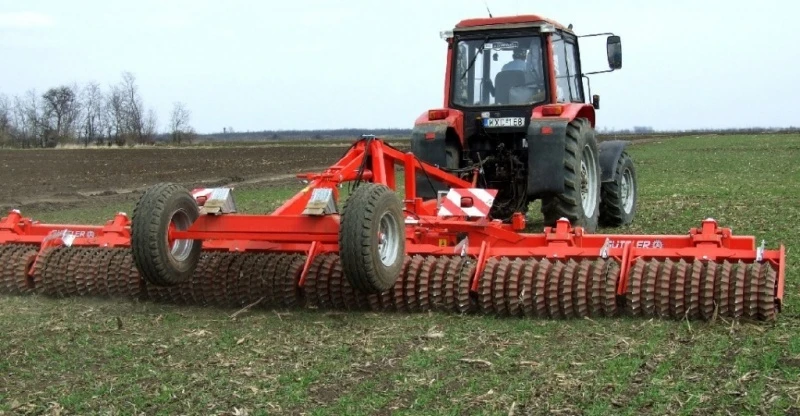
(504, 81)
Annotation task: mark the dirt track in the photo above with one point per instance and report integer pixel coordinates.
(49, 179)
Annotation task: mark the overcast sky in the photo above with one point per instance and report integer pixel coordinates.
(301, 64)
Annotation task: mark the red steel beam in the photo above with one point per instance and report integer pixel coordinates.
(275, 228)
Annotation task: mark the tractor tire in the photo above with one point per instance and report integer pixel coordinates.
(159, 261)
(452, 156)
(618, 197)
(580, 202)
(372, 241)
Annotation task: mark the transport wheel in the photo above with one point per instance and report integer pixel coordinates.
(161, 261)
(618, 198)
(580, 202)
(372, 241)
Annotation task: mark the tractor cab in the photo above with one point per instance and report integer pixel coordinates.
(499, 70)
(516, 62)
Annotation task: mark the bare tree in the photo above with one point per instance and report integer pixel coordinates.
(72, 119)
(18, 117)
(180, 130)
(117, 127)
(6, 138)
(94, 116)
(134, 109)
(149, 127)
(29, 129)
(60, 107)
(85, 113)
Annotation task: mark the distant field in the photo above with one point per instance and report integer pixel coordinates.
(92, 356)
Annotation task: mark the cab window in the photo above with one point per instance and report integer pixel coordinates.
(565, 63)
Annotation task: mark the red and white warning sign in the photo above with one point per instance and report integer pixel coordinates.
(202, 194)
(214, 200)
(467, 202)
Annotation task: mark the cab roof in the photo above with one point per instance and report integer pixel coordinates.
(501, 21)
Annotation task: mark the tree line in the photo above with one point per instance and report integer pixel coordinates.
(88, 115)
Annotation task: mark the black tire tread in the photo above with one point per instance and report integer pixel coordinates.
(612, 213)
(146, 235)
(358, 221)
(568, 204)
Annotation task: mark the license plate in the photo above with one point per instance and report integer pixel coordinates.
(504, 122)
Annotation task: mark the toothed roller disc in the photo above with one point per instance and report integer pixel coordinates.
(528, 290)
(552, 283)
(581, 291)
(438, 282)
(767, 308)
(424, 283)
(649, 288)
(695, 293)
(750, 307)
(464, 302)
(612, 271)
(410, 288)
(633, 302)
(513, 299)
(565, 290)
(740, 274)
(707, 285)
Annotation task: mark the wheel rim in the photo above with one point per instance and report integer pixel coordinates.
(627, 190)
(180, 250)
(388, 239)
(588, 181)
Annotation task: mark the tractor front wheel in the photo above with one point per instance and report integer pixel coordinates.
(372, 238)
(618, 203)
(159, 259)
(580, 202)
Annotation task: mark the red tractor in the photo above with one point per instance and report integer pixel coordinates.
(515, 111)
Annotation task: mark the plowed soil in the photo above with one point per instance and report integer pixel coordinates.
(54, 178)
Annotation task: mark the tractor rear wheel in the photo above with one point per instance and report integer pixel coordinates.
(372, 241)
(580, 202)
(452, 156)
(618, 202)
(159, 260)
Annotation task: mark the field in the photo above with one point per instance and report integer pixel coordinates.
(95, 356)
(55, 179)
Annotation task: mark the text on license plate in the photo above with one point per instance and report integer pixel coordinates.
(504, 122)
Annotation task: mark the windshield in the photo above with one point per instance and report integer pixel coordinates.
(499, 71)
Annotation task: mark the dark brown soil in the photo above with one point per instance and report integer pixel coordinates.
(63, 177)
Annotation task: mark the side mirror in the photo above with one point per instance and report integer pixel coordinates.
(614, 51)
(596, 102)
